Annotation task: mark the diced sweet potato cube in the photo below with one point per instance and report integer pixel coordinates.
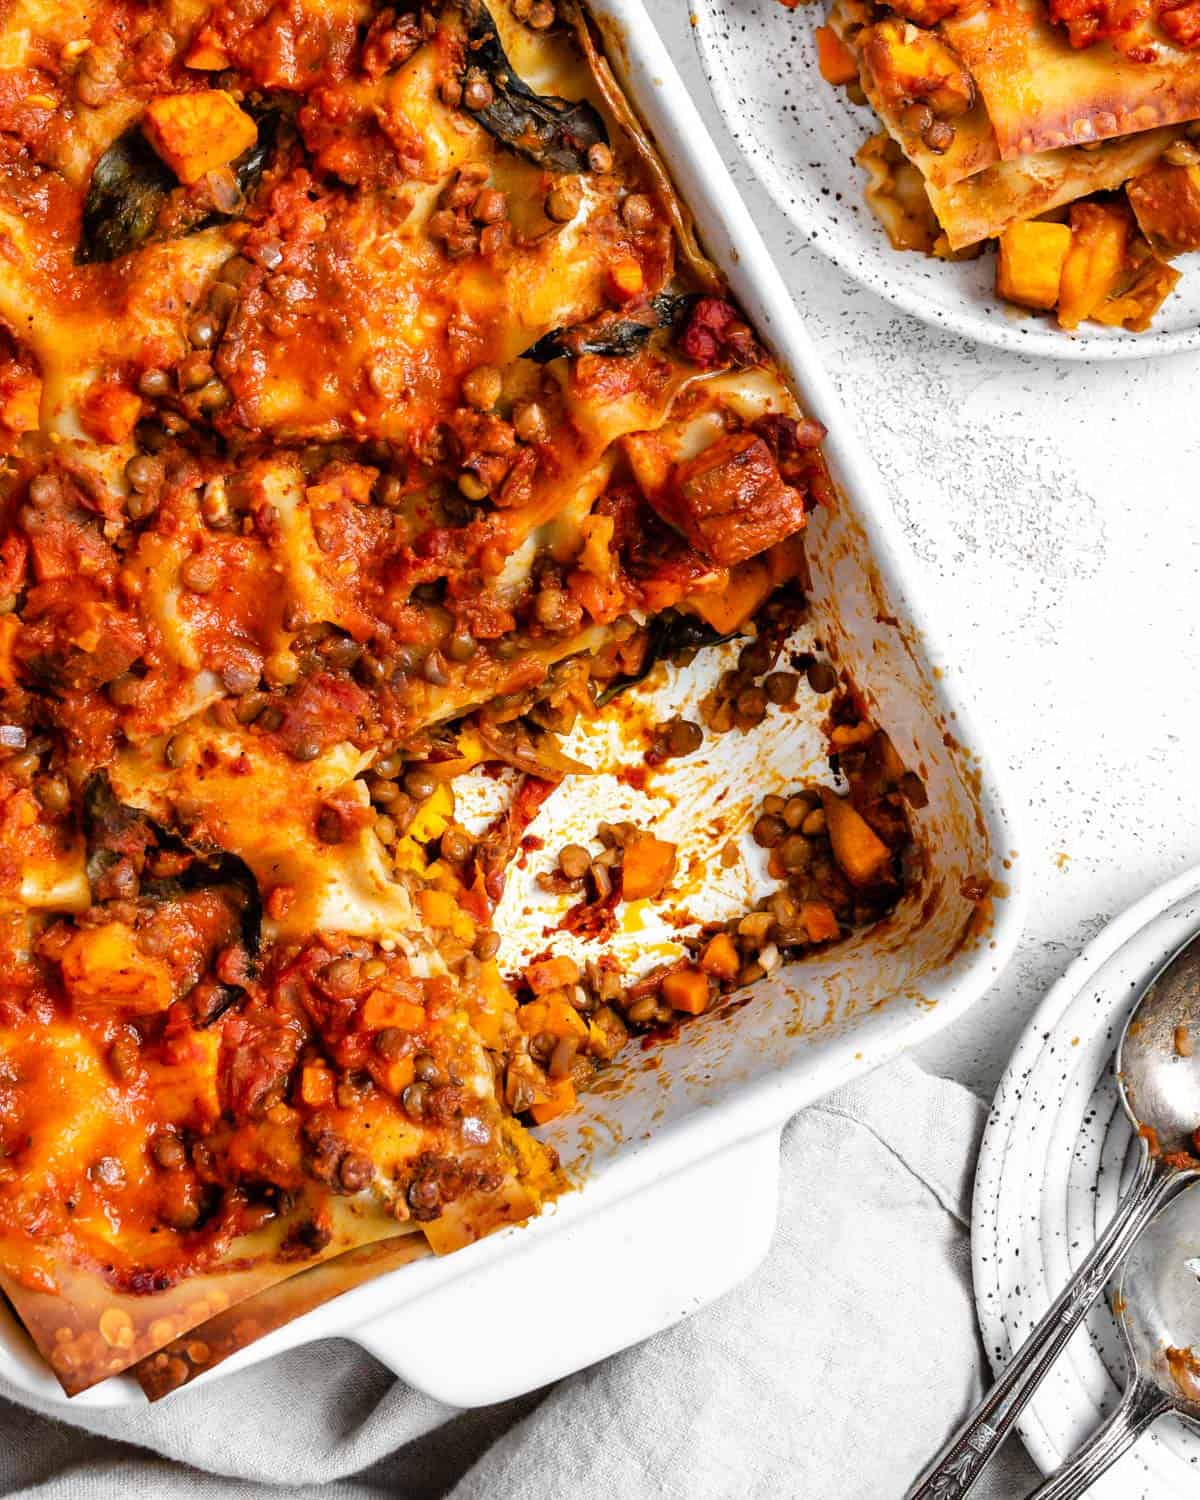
(10, 628)
(861, 854)
(551, 974)
(383, 1007)
(554, 1014)
(1095, 261)
(720, 957)
(625, 279)
(316, 1085)
(819, 921)
(603, 598)
(109, 411)
(532, 1017)
(727, 608)
(20, 401)
(433, 817)
(106, 966)
(909, 64)
(562, 1019)
(207, 53)
(647, 868)
(197, 133)
(835, 60)
(1133, 306)
(559, 1099)
(686, 990)
(1166, 203)
(729, 501)
(265, 1150)
(437, 907)
(395, 1076)
(187, 1090)
(1030, 262)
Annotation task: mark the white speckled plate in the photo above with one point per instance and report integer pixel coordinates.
(799, 137)
(1056, 1146)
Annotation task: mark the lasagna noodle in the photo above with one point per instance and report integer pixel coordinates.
(91, 1324)
(704, 270)
(1043, 94)
(1007, 192)
(974, 145)
(87, 1331)
(245, 1323)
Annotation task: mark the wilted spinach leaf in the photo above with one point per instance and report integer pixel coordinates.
(610, 334)
(671, 634)
(550, 132)
(131, 184)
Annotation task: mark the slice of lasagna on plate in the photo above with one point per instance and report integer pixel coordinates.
(1062, 130)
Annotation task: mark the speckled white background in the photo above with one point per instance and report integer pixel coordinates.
(1054, 513)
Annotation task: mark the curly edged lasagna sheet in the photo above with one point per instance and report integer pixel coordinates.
(1061, 129)
(368, 412)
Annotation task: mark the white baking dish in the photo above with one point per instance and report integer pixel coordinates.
(683, 1160)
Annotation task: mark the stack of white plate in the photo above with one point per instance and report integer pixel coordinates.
(1056, 1148)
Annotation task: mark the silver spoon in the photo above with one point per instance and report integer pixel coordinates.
(1158, 1311)
(1158, 1076)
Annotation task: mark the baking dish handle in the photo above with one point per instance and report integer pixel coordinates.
(659, 1255)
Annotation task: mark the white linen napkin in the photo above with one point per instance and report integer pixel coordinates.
(832, 1374)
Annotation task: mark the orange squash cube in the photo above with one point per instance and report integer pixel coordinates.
(727, 608)
(834, 59)
(686, 990)
(859, 851)
(1095, 261)
(207, 54)
(647, 869)
(109, 411)
(316, 1085)
(819, 921)
(20, 401)
(437, 907)
(396, 1076)
(1030, 263)
(383, 1008)
(105, 966)
(625, 280)
(197, 133)
(559, 1100)
(551, 974)
(720, 957)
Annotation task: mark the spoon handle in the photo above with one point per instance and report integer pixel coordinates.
(1142, 1404)
(953, 1472)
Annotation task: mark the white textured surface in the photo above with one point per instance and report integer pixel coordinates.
(1054, 510)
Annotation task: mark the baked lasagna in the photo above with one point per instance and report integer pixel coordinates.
(370, 415)
(1061, 130)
